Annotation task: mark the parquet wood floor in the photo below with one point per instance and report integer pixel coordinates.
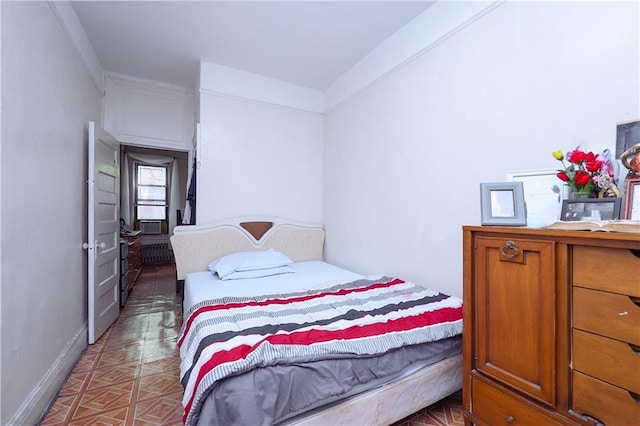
(130, 376)
(447, 412)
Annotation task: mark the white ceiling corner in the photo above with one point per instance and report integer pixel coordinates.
(305, 43)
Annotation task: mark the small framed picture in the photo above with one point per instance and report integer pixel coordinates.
(591, 209)
(503, 204)
(632, 199)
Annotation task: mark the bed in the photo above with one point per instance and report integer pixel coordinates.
(296, 371)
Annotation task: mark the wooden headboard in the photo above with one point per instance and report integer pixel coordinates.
(195, 246)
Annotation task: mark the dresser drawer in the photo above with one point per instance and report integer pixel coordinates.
(135, 248)
(607, 269)
(124, 266)
(498, 408)
(608, 314)
(607, 359)
(607, 403)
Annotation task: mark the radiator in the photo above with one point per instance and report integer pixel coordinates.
(157, 254)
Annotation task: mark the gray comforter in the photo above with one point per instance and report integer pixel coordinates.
(267, 396)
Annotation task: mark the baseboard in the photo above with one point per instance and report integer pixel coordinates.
(39, 400)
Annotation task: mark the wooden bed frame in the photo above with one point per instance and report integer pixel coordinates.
(195, 246)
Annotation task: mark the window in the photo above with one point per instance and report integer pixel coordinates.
(151, 192)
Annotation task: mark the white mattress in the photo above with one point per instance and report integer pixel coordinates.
(199, 286)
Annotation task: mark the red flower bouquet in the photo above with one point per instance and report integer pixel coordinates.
(586, 171)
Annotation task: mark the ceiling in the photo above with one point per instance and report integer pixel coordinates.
(308, 43)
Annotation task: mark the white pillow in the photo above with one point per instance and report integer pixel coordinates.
(248, 261)
(257, 273)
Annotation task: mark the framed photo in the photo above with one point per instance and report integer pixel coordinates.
(503, 204)
(632, 199)
(543, 195)
(627, 135)
(591, 209)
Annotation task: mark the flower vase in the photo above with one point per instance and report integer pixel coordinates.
(580, 195)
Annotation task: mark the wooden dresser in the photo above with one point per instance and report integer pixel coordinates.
(135, 256)
(551, 327)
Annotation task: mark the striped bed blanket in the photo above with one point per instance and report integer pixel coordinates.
(227, 337)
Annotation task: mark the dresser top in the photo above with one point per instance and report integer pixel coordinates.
(629, 240)
(130, 233)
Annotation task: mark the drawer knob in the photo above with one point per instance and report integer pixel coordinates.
(509, 250)
(509, 419)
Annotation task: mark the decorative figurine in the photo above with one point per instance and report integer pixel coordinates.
(631, 160)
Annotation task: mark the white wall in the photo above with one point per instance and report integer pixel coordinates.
(257, 158)
(403, 158)
(48, 97)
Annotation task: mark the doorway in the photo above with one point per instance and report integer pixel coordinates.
(153, 187)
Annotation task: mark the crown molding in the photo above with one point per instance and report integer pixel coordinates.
(242, 84)
(71, 24)
(429, 29)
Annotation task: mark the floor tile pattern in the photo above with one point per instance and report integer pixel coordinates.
(447, 412)
(130, 376)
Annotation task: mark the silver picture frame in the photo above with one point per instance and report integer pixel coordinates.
(502, 203)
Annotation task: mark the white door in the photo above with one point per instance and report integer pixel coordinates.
(103, 247)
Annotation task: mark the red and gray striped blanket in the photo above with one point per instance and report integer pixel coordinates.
(226, 337)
